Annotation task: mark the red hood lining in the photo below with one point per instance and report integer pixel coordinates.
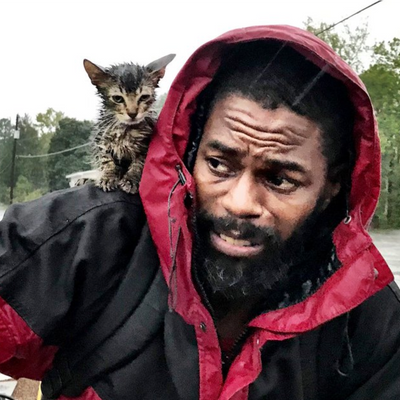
(200, 68)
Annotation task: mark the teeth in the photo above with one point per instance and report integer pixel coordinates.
(236, 242)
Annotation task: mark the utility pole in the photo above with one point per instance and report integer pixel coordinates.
(16, 137)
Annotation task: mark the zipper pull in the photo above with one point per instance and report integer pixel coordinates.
(181, 176)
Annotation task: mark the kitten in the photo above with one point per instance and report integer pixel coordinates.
(122, 132)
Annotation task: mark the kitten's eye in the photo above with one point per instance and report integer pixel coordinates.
(117, 99)
(144, 97)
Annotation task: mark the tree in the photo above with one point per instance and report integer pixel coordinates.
(6, 143)
(351, 45)
(383, 82)
(24, 190)
(382, 79)
(46, 124)
(48, 121)
(69, 134)
(29, 144)
(158, 105)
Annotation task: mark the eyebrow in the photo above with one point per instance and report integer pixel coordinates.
(238, 152)
(286, 165)
(223, 148)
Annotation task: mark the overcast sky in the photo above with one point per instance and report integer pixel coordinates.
(43, 43)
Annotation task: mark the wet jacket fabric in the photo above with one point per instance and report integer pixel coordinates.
(70, 259)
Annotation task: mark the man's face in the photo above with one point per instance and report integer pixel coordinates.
(260, 174)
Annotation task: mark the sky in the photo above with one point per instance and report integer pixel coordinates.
(43, 43)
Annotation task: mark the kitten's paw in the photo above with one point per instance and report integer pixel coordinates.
(129, 186)
(108, 184)
(82, 181)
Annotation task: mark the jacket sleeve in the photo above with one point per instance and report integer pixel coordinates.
(374, 329)
(61, 258)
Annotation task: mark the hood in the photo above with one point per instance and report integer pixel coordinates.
(167, 189)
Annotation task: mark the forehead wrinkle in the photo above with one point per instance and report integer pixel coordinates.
(278, 142)
(280, 134)
(285, 122)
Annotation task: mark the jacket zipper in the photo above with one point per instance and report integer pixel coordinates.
(172, 291)
(226, 357)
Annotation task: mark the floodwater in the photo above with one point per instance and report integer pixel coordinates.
(388, 243)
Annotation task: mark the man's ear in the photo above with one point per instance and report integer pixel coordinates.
(97, 75)
(157, 68)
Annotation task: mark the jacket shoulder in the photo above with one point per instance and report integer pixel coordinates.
(28, 226)
(62, 258)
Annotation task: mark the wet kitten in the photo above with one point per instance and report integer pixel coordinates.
(126, 121)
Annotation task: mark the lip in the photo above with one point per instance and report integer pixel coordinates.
(234, 250)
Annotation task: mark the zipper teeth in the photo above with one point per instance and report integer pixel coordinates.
(232, 353)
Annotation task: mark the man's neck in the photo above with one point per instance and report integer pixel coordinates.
(232, 316)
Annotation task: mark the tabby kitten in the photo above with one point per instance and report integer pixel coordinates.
(122, 132)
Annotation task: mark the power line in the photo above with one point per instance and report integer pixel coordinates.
(347, 18)
(55, 153)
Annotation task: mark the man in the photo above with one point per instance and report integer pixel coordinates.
(260, 180)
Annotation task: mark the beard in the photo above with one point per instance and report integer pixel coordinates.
(236, 278)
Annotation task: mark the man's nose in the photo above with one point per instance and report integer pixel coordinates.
(242, 199)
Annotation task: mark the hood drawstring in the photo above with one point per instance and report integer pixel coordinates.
(347, 218)
(172, 289)
(345, 364)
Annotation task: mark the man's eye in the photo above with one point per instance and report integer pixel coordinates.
(117, 99)
(217, 166)
(282, 184)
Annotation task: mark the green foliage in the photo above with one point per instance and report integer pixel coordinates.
(388, 53)
(351, 44)
(34, 169)
(382, 79)
(29, 143)
(158, 105)
(31, 172)
(383, 83)
(4, 194)
(6, 143)
(25, 191)
(48, 121)
(69, 134)
(46, 124)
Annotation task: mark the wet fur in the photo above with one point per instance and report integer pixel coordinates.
(123, 130)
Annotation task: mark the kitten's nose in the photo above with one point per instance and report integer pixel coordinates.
(132, 114)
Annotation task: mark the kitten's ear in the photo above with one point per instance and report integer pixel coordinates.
(157, 67)
(97, 74)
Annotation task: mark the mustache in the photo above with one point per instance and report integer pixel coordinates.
(243, 230)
